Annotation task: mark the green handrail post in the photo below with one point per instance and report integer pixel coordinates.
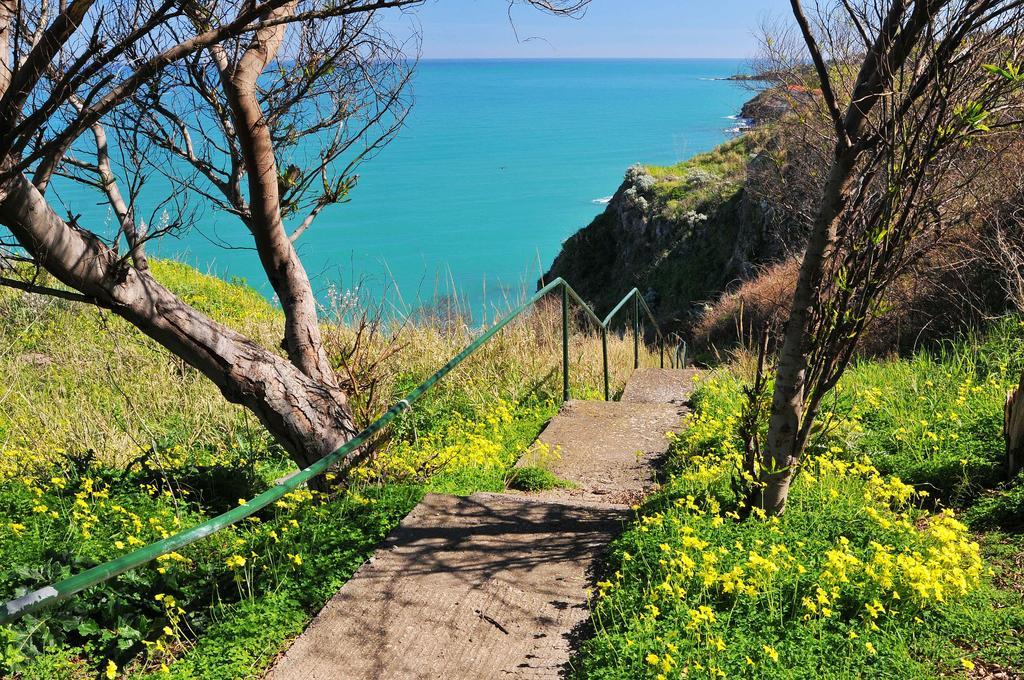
(604, 358)
(565, 342)
(636, 329)
(681, 354)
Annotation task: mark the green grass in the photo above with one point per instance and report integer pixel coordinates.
(702, 183)
(534, 479)
(84, 383)
(107, 442)
(936, 419)
(728, 160)
(864, 575)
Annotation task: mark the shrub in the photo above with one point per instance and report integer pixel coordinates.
(932, 304)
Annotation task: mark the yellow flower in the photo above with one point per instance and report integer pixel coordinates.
(870, 647)
(772, 653)
(235, 561)
(111, 670)
(653, 659)
(297, 559)
(17, 528)
(967, 664)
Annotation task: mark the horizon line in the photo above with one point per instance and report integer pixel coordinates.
(571, 58)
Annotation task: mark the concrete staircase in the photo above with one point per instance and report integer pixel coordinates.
(495, 585)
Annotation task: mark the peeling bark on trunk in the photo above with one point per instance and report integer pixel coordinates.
(302, 338)
(1013, 430)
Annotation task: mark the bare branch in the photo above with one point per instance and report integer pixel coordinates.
(823, 75)
(49, 292)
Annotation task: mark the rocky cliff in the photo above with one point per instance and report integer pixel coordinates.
(681, 234)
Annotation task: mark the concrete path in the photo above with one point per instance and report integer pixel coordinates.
(659, 386)
(495, 585)
(608, 449)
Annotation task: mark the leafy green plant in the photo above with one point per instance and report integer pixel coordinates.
(531, 478)
(856, 579)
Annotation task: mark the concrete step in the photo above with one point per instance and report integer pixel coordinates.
(609, 450)
(659, 386)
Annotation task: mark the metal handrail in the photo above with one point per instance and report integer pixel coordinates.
(63, 590)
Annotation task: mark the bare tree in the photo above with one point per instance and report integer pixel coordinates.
(225, 98)
(916, 95)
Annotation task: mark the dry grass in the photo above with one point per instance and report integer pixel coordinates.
(739, 317)
(80, 382)
(950, 290)
(523, 359)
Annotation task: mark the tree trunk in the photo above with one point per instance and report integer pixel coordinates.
(783, 445)
(1013, 430)
(277, 253)
(306, 416)
(8, 8)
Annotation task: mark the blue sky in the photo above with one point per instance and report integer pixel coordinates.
(610, 28)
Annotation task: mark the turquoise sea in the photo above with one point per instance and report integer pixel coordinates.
(498, 163)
